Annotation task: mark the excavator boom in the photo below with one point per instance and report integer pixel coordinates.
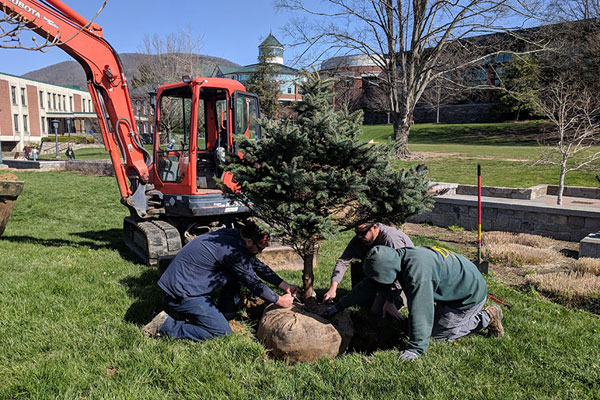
(84, 41)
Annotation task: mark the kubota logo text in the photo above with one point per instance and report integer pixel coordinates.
(25, 7)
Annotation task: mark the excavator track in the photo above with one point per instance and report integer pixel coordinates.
(151, 240)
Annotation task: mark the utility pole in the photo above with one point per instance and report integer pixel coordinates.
(55, 126)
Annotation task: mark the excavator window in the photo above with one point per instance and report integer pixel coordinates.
(246, 115)
(175, 112)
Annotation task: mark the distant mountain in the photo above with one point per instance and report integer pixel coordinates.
(71, 73)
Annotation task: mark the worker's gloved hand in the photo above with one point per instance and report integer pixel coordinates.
(408, 355)
(330, 312)
(389, 308)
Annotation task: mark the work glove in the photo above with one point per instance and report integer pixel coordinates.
(330, 312)
(389, 308)
(408, 355)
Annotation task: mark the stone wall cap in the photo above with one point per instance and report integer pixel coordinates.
(514, 204)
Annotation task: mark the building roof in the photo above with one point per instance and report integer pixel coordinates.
(248, 69)
(72, 87)
(271, 41)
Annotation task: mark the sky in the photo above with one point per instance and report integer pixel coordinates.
(230, 29)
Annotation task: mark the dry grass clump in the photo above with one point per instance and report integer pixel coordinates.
(517, 255)
(8, 176)
(524, 239)
(571, 286)
(587, 265)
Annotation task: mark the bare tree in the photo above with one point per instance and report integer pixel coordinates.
(572, 10)
(174, 55)
(404, 38)
(575, 115)
(13, 26)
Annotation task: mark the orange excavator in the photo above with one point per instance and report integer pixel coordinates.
(171, 194)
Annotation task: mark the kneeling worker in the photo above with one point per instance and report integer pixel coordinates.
(223, 259)
(444, 290)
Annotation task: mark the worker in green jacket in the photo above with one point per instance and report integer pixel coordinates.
(445, 294)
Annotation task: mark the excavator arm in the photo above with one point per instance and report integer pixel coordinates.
(84, 41)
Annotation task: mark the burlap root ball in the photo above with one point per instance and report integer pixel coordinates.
(295, 334)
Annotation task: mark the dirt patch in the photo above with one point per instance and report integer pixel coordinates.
(431, 155)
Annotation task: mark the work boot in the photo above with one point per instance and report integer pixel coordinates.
(495, 327)
(152, 329)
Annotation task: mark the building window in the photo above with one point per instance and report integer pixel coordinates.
(23, 97)
(83, 105)
(13, 94)
(49, 102)
(64, 103)
(54, 101)
(145, 108)
(41, 99)
(145, 128)
(289, 90)
(138, 107)
(71, 103)
(43, 124)
(25, 124)
(152, 128)
(89, 105)
(16, 122)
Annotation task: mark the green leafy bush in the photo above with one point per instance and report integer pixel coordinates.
(70, 139)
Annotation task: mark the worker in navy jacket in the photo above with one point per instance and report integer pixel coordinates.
(224, 259)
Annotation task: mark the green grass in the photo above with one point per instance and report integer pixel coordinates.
(506, 152)
(483, 134)
(74, 299)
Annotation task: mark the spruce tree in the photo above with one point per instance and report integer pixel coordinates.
(264, 84)
(309, 179)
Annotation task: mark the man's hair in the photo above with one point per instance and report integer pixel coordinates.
(251, 230)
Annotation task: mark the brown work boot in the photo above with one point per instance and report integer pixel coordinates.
(152, 329)
(495, 327)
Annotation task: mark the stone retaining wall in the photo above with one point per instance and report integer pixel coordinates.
(96, 167)
(558, 222)
(576, 191)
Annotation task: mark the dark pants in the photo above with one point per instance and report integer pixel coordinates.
(200, 318)
(450, 324)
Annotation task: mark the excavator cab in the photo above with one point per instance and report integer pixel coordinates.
(196, 121)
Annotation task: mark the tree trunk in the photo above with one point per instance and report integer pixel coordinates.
(308, 277)
(561, 182)
(401, 130)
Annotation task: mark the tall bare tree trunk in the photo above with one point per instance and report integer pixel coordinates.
(561, 181)
(401, 131)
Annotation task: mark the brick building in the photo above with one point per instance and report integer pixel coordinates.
(28, 107)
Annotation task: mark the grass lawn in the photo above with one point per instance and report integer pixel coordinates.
(506, 152)
(74, 299)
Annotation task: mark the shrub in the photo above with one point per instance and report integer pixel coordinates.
(71, 139)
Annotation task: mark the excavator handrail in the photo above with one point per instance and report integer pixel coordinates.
(84, 41)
